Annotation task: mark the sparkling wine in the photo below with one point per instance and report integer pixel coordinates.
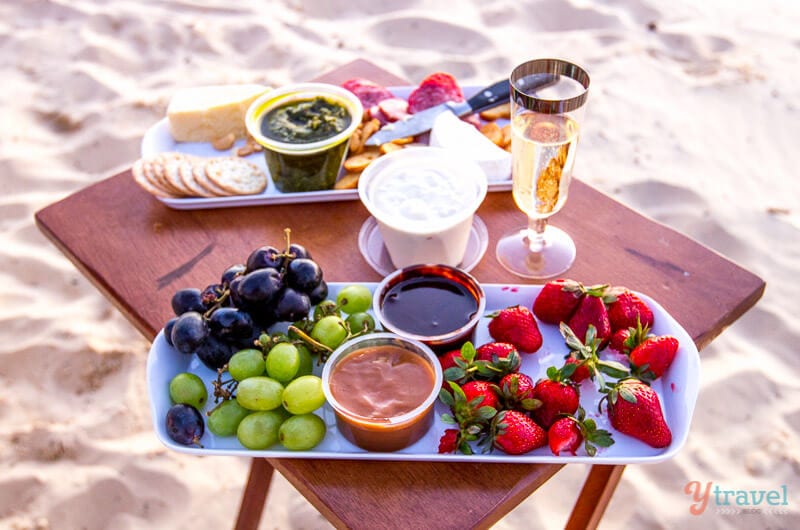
(543, 149)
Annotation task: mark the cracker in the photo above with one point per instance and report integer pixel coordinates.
(157, 165)
(360, 161)
(152, 172)
(199, 172)
(498, 112)
(236, 176)
(348, 181)
(141, 179)
(492, 131)
(186, 173)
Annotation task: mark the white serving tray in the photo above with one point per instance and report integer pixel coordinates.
(158, 139)
(677, 389)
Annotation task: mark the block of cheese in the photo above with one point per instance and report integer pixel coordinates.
(450, 132)
(204, 114)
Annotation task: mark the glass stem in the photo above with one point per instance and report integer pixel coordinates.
(536, 234)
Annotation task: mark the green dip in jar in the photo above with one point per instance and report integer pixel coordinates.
(305, 130)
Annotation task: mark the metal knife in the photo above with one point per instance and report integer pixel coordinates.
(422, 121)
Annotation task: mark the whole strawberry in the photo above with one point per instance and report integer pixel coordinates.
(628, 310)
(582, 372)
(516, 325)
(515, 433)
(557, 300)
(558, 395)
(654, 356)
(481, 389)
(583, 359)
(591, 311)
(569, 432)
(489, 362)
(517, 392)
(634, 409)
(625, 340)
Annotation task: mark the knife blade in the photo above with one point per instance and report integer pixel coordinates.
(420, 122)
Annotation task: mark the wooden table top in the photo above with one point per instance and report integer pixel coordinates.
(138, 252)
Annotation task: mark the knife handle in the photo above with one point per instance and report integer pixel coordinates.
(491, 96)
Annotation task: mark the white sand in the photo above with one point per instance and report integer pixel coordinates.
(694, 122)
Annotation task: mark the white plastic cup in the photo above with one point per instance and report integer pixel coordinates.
(424, 200)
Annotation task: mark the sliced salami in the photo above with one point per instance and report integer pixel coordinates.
(368, 92)
(394, 109)
(435, 89)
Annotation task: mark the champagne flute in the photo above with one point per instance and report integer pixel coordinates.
(548, 99)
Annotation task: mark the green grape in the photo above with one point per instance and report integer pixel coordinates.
(301, 433)
(225, 418)
(259, 430)
(303, 395)
(259, 393)
(354, 299)
(246, 363)
(188, 389)
(325, 308)
(306, 361)
(359, 322)
(330, 331)
(283, 362)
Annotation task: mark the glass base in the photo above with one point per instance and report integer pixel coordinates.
(554, 258)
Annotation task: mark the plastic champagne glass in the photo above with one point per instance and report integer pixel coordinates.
(548, 98)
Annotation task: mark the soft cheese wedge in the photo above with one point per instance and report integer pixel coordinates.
(205, 114)
(451, 133)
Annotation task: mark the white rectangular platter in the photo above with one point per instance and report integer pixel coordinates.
(158, 139)
(677, 389)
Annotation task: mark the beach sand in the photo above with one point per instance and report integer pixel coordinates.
(692, 120)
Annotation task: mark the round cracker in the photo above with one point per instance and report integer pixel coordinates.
(236, 176)
(141, 179)
(200, 176)
(186, 173)
(154, 172)
(160, 165)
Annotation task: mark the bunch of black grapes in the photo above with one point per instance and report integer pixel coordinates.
(225, 317)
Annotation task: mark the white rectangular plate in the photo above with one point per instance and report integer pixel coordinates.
(158, 139)
(677, 389)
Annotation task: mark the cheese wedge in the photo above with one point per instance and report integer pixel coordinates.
(452, 133)
(204, 114)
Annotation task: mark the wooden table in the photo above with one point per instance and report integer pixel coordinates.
(137, 252)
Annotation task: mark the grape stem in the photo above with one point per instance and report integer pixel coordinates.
(302, 334)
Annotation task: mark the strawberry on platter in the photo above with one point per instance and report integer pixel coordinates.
(571, 387)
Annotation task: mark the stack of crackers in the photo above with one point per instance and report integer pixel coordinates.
(178, 175)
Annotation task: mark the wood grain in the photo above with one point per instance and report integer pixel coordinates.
(137, 252)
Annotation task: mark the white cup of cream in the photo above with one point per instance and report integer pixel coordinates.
(423, 199)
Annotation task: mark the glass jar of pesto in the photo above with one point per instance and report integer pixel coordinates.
(305, 130)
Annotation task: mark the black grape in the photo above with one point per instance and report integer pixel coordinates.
(215, 353)
(303, 274)
(264, 257)
(189, 299)
(299, 251)
(168, 330)
(189, 332)
(292, 305)
(229, 322)
(230, 273)
(185, 424)
(319, 293)
(259, 287)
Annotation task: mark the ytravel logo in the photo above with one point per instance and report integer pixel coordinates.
(736, 501)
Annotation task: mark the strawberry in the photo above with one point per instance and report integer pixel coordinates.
(516, 325)
(583, 363)
(557, 300)
(581, 372)
(558, 396)
(448, 443)
(652, 357)
(515, 433)
(490, 361)
(592, 311)
(628, 310)
(625, 340)
(568, 432)
(473, 407)
(634, 409)
(517, 392)
(481, 389)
